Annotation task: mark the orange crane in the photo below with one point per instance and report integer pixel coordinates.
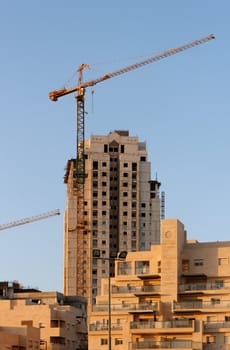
(30, 219)
(79, 171)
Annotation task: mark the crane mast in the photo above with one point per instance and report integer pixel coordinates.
(30, 219)
(79, 168)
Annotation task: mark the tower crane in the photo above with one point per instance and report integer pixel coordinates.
(79, 167)
(30, 219)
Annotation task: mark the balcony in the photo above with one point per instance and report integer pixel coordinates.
(201, 305)
(104, 327)
(127, 307)
(213, 346)
(217, 326)
(181, 326)
(204, 286)
(166, 344)
(137, 290)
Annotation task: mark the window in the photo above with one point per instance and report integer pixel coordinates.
(143, 205)
(104, 173)
(125, 165)
(198, 262)
(210, 339)
(118, 341)
(125, 213)
(104, 163)
(219, 284)
(104, 341)
(134, 166)
(95, 165)
(143, 215)
(104, 183)
(103, 242)
(125, 204)
(185, 265)
(223, 261)
(125, 194)
(143, 159)
(134, 245)
(124, 268)
(105, 148)
(141, 267)
(125, 174)
(122, 148)
(125, 184)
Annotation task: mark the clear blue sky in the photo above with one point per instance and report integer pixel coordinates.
(179, 106)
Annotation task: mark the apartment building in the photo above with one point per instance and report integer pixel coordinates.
(32, 319)
(121, 208)
(20, 338)
(176, 295)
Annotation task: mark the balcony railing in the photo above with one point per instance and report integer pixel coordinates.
(135, 289)
(199, 304)
(215, 325)
(203, 286)
(128, 307)
(169, 344)
(104, 327)
(162, 324)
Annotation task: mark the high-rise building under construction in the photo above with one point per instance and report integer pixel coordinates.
(121, 209)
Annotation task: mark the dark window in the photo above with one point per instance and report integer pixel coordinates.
(134, 166)
(122, 149)
(143, 159)
(95, 164)
(105, 148)
(104, 163)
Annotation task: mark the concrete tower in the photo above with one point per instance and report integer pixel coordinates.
(121, 208)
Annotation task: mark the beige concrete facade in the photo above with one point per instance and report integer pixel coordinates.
(176, 295)
(59, 322)
(20, 338)
(121, 212)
